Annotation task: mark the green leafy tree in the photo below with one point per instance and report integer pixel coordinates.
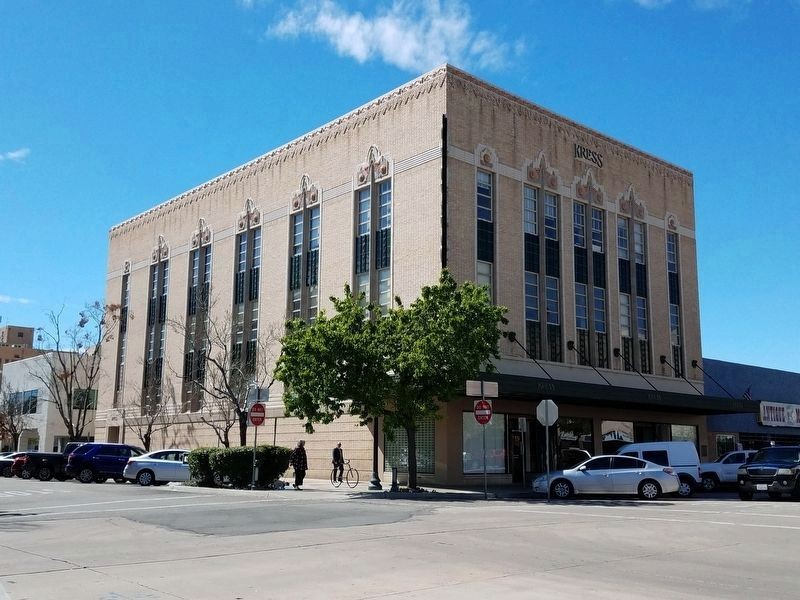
(400, 366)
(335, 364)
(433, 346)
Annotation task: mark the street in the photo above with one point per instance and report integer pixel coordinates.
(74, 541)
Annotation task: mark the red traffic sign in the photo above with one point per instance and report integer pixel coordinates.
(257, 414)
(483, 412)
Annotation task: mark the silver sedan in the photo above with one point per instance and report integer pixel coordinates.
(158, 467)
(611, 475)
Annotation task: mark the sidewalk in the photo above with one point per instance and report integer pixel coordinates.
(323, 486)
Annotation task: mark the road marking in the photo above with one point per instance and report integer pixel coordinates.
(100, 503)
(662, 519)
(127, 508)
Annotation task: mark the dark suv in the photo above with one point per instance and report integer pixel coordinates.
(97, 462)
(774, 470)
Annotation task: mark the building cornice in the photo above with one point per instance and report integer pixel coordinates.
(422, 85)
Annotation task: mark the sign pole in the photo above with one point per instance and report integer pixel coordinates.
(485, 492)
(547, 446)
(255, 441)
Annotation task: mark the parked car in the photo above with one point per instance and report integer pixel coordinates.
(42, 465)
(4, 454)
(611, 475)
(96, 461)
(570, 457)
(723, 470)
(7, 462)
(158, 467)
(774, 470)
(681, 456)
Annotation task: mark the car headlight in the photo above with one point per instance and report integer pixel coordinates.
(741, 471)
(788, 472)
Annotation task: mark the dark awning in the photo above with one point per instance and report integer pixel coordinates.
(517, 387)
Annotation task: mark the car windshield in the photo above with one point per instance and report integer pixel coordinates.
(777, 454)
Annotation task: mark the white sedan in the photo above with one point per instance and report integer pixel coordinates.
(611, 475)
(158, 467)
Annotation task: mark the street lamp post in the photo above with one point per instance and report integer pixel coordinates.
(375, 482)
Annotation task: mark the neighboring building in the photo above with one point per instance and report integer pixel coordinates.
(777, 394)
(45, 430)
(589, 242)
(15, 343)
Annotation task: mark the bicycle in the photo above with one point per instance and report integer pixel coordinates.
(350, 476)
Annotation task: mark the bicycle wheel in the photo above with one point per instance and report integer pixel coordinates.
(335, 482)
(352, 477)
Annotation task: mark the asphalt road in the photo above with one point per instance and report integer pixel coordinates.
(115, 542)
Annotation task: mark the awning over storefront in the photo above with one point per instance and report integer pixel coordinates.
(516, 387)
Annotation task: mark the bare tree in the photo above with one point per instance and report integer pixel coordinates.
(71, 368)
(224, 364)
(13, 416)
(148, 419)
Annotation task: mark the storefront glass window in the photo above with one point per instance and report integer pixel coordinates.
(651, 432)
(684, 433)
(725, 443)
(473, 444)
(616, 434)
(396, 448)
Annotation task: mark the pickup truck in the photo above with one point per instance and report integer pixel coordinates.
(774, 470)
(44, 465)
(723, 470)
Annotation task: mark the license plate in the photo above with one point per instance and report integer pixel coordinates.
(761, 487)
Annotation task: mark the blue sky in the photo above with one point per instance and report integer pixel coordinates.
(107, 109)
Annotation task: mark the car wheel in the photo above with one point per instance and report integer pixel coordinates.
(86, 475)
(710, 483)
(562, 489)
(45, 474)
(7, 472)
(649, 490)
(26, 473)
(745, 495)
(120, 480)
(774, 495)
(686, 488)
(145, 478)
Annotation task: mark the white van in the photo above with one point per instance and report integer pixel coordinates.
(681, 456)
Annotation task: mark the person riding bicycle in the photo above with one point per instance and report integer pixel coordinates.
(338, 460)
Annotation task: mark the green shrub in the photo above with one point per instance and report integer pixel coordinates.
(236, 465)
(200, 466)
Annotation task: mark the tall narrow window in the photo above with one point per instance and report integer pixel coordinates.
(373, 227)
(122, 339)
(597, 230)
(197, 309)
(304, 259)
(553, 319)
(642, 333)
(530, 220)
(579, 224)
(622, 238)
(156, 329)
(485, 229)
(626, 330)
(247, 283)
(550, 217)
(673, 284)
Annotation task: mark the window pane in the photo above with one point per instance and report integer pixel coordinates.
(597, 230)
(625, 315)
(396, 449)
(581, 310)
(385, 204)
(550, 217)
(553, 316)
(579, 224)
(484, 196)
(622, 238)
(364, 207)
(529, 210)
(615, 435)
(599, 310)
(531, 296)
(473, 444)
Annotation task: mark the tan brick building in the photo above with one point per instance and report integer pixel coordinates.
(589, 242)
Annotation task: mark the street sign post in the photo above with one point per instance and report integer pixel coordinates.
(483, 414)
(256, 415)
(547, 414)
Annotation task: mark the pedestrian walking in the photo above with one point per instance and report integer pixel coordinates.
(299, 461)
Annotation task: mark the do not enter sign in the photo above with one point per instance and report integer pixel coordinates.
(483, 412)
(257, 414)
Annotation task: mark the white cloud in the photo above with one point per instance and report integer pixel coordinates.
(15, 155)
(704, 5)
(4, 299)
(414, 36)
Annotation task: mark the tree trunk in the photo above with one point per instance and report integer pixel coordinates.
(411, 432)
(242, 427)
(146, 441)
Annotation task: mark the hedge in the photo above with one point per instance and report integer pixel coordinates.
(210, 465)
